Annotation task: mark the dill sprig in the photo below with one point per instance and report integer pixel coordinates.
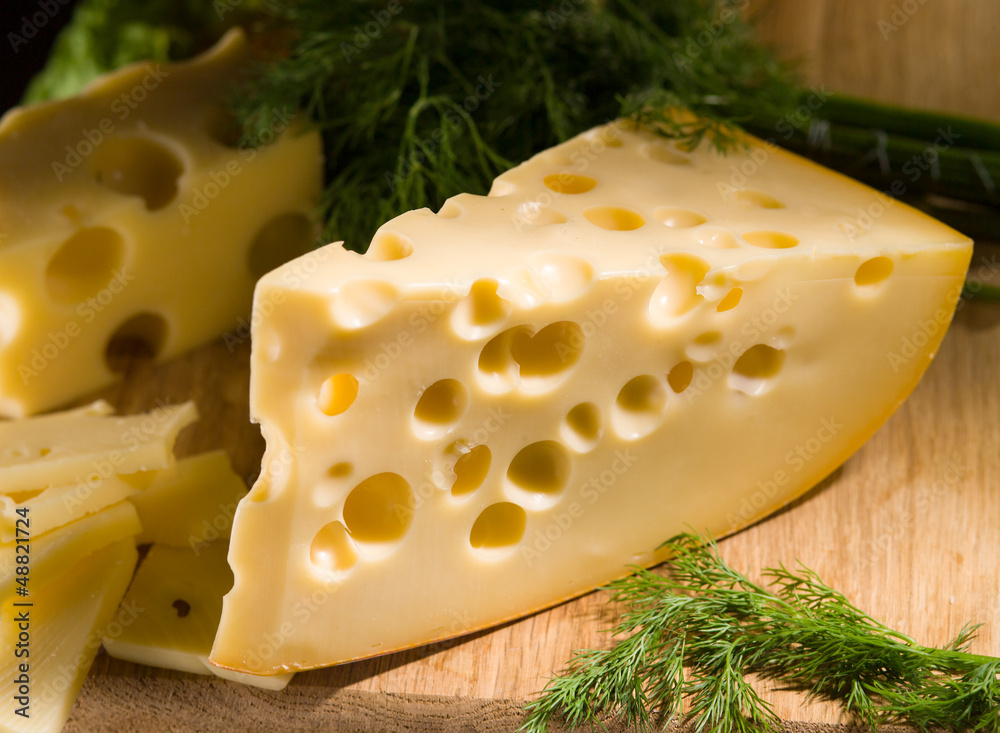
(689, 640)
(418, 101)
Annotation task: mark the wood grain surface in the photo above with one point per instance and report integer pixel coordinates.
(907, 528)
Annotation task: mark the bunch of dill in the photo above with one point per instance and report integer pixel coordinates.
(418, 101)
(690, 639)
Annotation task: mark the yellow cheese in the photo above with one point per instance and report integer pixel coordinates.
(192, 503)
(59, 505)
(180, 591)
(49, 554)
(129, 212)
(81, 447)
(65, 625)
(504, 404)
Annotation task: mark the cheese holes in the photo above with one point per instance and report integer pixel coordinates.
(679, 218)
(539, 473)
(564, 275)
(470, 469)
(534, 362)
(679, 378)
(770, 240)
(756, 369)
(756, 200)
(498, 530)
(360, 303)
(439, 408)
(481, 313)
(182, 607)
(873, 272)
(86, 264)
(569, 183)
(282, 239)
(221, 126)
(534, 214)
(388, 246)
(677, 293)
(663, 154)
(614, 218)
(582, 428)
(705, 346)
(337, 393)
(379, 509)
(139, 338)
(136, 166)
(640, 407)
(730, 301)
(332, 550)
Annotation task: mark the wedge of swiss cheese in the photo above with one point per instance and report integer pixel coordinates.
(129, 212)
(503, 404)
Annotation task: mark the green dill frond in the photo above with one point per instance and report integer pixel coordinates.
(419, 101)
(714, 622)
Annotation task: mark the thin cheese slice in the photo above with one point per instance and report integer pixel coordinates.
(504, 404)
(190, 504)
(79, 447)
(65, 624)
(180, 593)
(51, 553)
(130, 212)
(59, 505)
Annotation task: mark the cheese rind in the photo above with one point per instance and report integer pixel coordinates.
(503, 405)
(180, 591)
(123, 207)
(67, 619)
(78, 447)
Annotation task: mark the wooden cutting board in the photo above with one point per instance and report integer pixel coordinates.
(907, 528)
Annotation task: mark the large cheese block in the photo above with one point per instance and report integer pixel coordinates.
(503, 404)
(130, 213)
(179, 590)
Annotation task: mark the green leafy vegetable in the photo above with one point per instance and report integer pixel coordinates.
(105, 35)
(419, 101)
(694, 636)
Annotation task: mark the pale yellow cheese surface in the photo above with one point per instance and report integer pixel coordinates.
(51, 553)
(83, 446)
(66, 622)
(505, 403)
(190, 504)
(129, 211)
(180, 590)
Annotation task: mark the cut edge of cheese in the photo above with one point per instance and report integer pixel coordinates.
(192, 503)
(616, 345)
(81, 446)
(54, 551)
(179, 591)
(67, 621)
